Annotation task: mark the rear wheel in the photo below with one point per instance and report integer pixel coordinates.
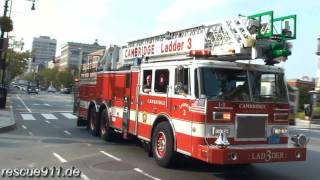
(93, 122)
(163, 144)
(106, 131)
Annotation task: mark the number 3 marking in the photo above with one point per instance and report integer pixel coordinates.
(189, 43)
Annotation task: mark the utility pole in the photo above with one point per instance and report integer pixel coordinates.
(3, 90)
(2, 52)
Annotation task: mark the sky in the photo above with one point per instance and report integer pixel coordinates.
(120, 21)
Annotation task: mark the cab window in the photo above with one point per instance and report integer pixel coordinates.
(161, 81)
(182, 81)
(147, 81)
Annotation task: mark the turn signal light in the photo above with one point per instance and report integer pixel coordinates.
(222, 116)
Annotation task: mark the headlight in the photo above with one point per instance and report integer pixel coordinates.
(217, 130)
(279, 130)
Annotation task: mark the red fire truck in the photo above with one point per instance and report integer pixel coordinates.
(198, 92)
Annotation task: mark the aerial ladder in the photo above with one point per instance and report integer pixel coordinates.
(259, 36)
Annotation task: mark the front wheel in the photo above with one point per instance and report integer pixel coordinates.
(163, 144)
(106, 131)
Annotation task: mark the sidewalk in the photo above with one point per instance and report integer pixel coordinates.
(305, 123)
(6, 116)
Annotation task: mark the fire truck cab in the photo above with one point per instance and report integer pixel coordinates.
(189, 92)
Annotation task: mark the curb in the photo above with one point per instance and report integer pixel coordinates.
(8, 128)
(12, 124)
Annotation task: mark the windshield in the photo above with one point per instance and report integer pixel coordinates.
(225, 84)
(233, 85)
(268, 87)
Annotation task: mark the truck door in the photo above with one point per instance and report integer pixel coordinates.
(180, 110)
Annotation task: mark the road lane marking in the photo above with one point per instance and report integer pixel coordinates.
(30, 133)
(24, 127)
(110, 156)
(47, 105)
(309, 130)
(69, 115)
(23, 103)
(28, 117)
(49, 116)
(60, 158)
(47, 121)
(67, 132)
(47, 111)
(84, 177)
(146, 174)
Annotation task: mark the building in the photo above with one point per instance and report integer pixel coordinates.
(72, 52)
(89, 69)
(305, 82)
(44, 50)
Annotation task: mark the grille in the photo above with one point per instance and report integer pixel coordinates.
(251, 126)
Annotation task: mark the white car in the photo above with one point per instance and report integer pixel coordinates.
(51, 89)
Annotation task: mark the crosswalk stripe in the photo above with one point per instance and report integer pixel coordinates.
(49, 116)
(27, 117)
(69, 115)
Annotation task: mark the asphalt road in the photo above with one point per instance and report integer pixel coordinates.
(46, 136)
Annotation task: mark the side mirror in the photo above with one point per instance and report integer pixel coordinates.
(308, 109)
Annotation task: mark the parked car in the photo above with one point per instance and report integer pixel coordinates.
(65, 91)
(51, 89)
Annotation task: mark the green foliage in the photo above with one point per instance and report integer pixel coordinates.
(16, 62)
(58, 79)
(65, 78)
(303, 98)
(316, 113)
(6, 24)
(300, 115)
(27, 77)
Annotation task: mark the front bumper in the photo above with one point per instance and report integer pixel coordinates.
(245, 154)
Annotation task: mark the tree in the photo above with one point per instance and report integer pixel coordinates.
(65, 78)
(16, 62)
(303, 97)
(48, 77)
(56, 78)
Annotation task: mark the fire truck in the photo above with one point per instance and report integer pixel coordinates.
(198, 91)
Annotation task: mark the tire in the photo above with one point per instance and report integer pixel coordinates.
(93, 124)
(106, 132)
(163, 145)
